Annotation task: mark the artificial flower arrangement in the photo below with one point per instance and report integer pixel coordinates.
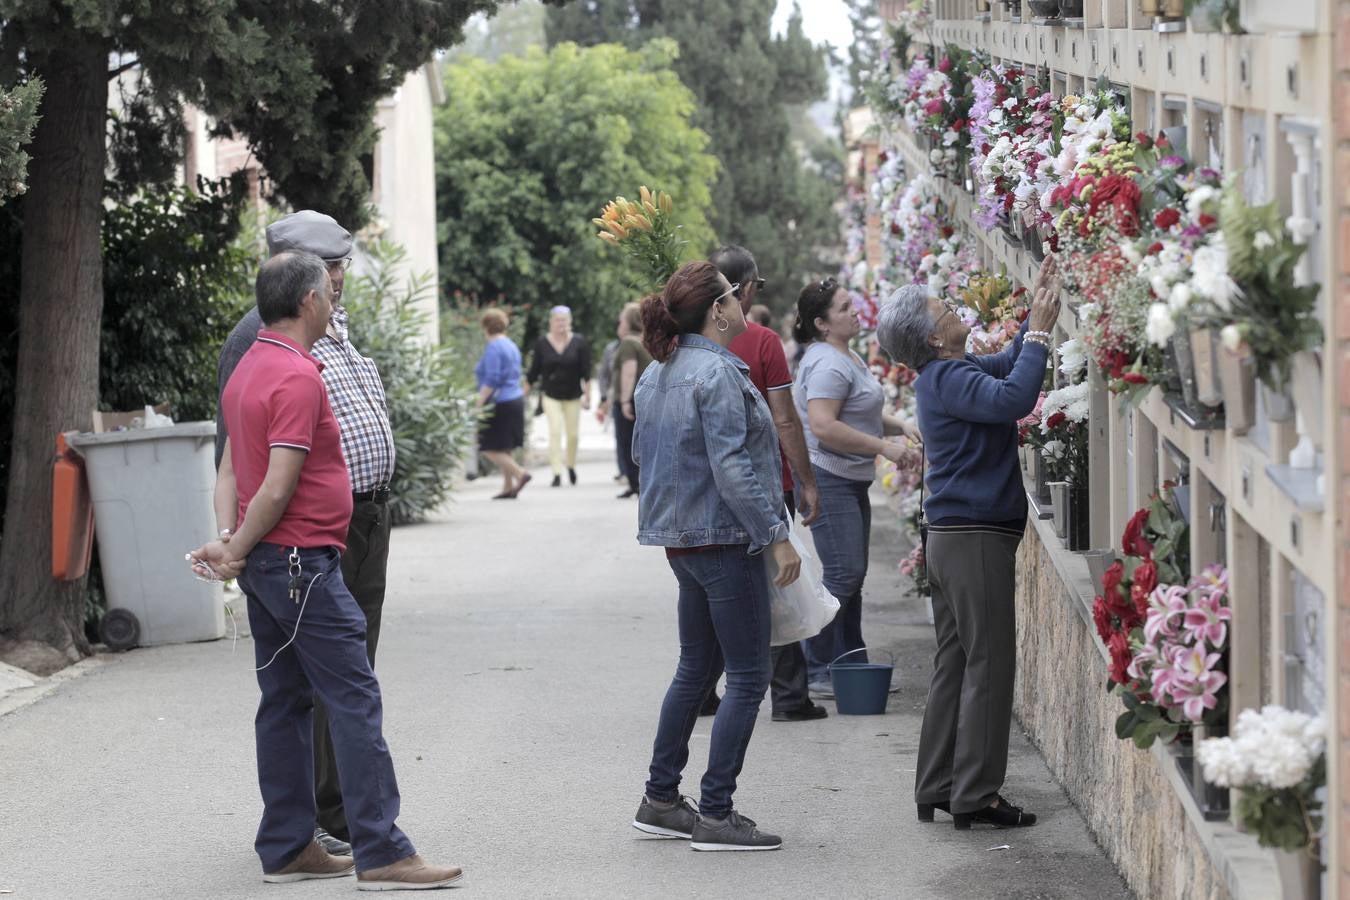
(1164, 630)
(646, 231)
(993, 310)
(932, 250)
(1063, 418)
(1269, 314)
(1012, 126)
(1276, 760)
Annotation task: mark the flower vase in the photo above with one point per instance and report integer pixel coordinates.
(1150, 7)
(1059, 496)
(1237, 378)
(1307, 390)
(1077, 537)
(1034, 242)
(1300, 874)
(1279, 405)
(1179, 349)
(1098, 561)
(1205, 363)
(1042, 478)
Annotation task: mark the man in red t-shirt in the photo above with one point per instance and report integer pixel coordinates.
(762, 350)
(283, 502)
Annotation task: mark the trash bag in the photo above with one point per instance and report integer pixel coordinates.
(803, 608)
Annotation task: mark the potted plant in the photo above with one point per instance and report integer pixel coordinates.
(1276, 761)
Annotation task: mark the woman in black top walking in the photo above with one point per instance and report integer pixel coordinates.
(561, 368)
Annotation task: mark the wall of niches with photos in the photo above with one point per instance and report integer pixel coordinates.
(1175, 157)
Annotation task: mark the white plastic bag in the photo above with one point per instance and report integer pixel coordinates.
(803, 608)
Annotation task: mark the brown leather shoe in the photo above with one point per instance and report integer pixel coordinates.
(313, 862)
(411, 873)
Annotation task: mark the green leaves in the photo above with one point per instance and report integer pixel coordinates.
(18, 116)
(527, 151)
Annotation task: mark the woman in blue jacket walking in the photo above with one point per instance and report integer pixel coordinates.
(712, 495)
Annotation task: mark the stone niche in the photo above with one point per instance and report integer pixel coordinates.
(1061, 701)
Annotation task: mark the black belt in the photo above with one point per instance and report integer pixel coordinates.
(378, 495)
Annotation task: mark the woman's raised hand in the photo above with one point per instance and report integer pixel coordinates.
(1045, 308)
(1049, 273)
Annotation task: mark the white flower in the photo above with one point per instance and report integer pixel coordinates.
(927, 263)
(1073, 357)
(1131, 253)
(1196, 200)
(1263, 240)
(995, 116)
(1010, 103)
(1160, 327)
(946, 259)
(1180, 297)
(1300, 228)
(1052, 449)
(1277, 760)
(935, 157)
(1088, 312)
(1231, 336)
(1222, 763)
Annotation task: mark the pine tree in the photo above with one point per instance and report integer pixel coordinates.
(18, 115)
(771, 196)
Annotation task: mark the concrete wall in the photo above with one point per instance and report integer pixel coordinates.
(405, 179)
(1061, 702)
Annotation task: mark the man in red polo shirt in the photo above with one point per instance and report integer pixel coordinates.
(761, 348)
(283, 503)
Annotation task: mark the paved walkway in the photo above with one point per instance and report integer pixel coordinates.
(525, 651)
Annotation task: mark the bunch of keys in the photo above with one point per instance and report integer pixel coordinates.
(295, 572)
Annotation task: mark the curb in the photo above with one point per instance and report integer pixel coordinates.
(18, 698)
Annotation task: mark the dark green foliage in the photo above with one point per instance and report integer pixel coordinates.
(429, 388)
(528, 151)
(175, 283)
(768, 197)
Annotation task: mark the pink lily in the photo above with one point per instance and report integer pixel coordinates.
(1195, 683)
(1166, 604)
(1206, 619)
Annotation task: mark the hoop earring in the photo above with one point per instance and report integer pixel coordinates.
(722, 324)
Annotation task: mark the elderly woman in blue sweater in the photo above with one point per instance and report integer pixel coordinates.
(968, 407)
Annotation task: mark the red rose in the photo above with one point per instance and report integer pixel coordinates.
(895, 228)
(1033, 92)
(1206, 220)
(1111, 581)
(1122, 195)
(1056, 420)
(1154, 248)
(959, 125)
(1119, 645)
(1162, 143)
(933, 107)
(948, 231)
(1133, 541)
(883, 156)
(1145, 576)
(1166, 218)
(1101, 617)
(945, 64)
(984, 149)
(1143, 140)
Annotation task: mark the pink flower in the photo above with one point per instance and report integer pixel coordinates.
(1205, 620)
(933, 107)
(1195, 684)
(1166, 609)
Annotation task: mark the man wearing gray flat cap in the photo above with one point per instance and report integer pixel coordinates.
(356, 395)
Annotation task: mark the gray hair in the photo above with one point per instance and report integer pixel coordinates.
(285, 280)
(904, 326)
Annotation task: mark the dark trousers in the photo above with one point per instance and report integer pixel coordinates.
(841, 533)
(963, 746)
(724, 622)
(326, 659)
(623, 437)
(363, 571)
(787, 685)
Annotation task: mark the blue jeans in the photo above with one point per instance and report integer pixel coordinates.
(724, 620)
(327, 658)
(841, 533)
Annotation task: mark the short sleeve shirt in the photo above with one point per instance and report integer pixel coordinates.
(763, 353)
(629, 348)
(825, 373)
(276, 398)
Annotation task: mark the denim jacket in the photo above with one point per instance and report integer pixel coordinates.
(708, 451)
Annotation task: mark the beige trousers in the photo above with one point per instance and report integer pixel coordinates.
(562, 414)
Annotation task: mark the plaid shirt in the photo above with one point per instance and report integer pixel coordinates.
(357, 397)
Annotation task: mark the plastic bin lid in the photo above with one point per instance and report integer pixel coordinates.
(181, 430)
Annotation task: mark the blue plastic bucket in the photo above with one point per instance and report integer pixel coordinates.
(860, 689)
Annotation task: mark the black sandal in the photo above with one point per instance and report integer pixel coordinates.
(1005, 815)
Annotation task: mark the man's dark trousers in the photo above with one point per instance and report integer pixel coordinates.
(326, 659)
(363, 569)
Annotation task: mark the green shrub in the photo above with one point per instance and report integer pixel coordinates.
(429, 388)
(176, 279)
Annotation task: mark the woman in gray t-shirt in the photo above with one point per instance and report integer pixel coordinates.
(841, 406)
